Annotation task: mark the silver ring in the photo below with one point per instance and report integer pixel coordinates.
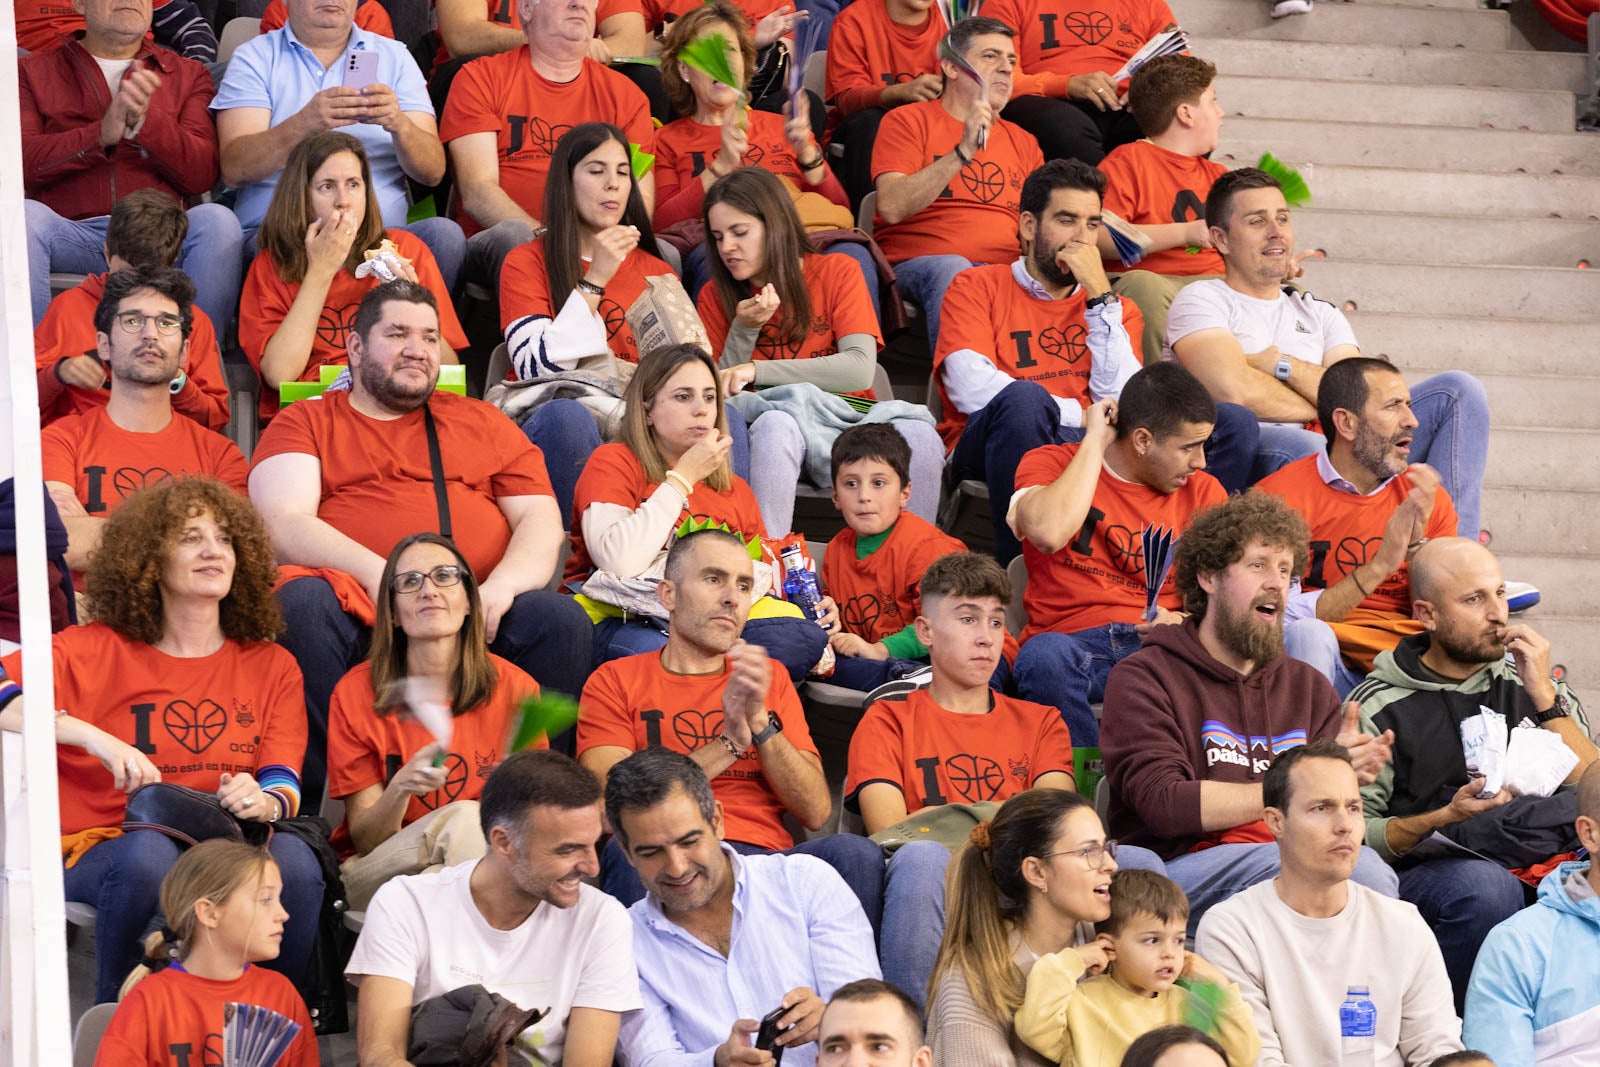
(249, 801)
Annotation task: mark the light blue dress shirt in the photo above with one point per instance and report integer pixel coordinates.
(795, 923)
(275, 71)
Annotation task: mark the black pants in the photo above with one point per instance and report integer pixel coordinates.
(857, 134)
(1072, 129)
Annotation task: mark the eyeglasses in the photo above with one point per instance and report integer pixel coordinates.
(442, 577)
(166, 325)
(1093, 855)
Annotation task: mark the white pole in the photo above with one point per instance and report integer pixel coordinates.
(35, 1026)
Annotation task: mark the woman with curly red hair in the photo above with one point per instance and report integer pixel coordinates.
(177, 680)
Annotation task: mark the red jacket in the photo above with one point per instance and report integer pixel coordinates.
(63, 97)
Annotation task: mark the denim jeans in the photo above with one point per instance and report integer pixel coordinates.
(211, 256)
(923, 280)
(546, 634)
(859, 861)
(795, 643)
(121, 880)
(488, 249)
(1212, 875)
(1313, 641)
(447, 243)
(1462, 900)
(1068, 672)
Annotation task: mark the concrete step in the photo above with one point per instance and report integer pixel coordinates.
(1527, 521)
(1440, 289)
(1361, 144)
(1413, 65)
(1573, 639)
(1477, 345)
(1472, 107)
(1568, 585)
(1410, 238)
(1454, 192)
(1531, 400)
(1348, 24)
(1544, 458)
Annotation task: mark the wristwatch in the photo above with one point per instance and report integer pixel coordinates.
(1283, 369)
(1104, 298)
(774, 727)
(1560, 710)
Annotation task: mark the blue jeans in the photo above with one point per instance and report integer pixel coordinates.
(923, 280)
(447, 243)
(1313, 641)
(121, 879)
(1462, 899)
(211, 256)
(795, 643)
(546, 634)
(859, 861)
(1212, 875)
(1068, 672)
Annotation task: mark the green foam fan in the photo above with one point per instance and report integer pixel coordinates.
(1205, 1005)
(643, 162)
(548, 714)
(709, 55)
(1295, 190)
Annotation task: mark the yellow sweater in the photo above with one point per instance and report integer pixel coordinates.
(1092, 1023)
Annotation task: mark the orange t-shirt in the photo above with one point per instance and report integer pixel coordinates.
(868, 52)
(377, 482)
(67, 329)
(525, 290)
(370, 16)
(175, 1019)
(266, 300)
(1070, 37)
(662, 12)
(840, 306)
(528, 114)
(627, 703)
(1346, 529)
(976, 215)
(879, 595)
(1098, 578)
(614, 475)
(239, 709)
(366, 749)
(1033, 340)
(683, 147)
(42, 23)
(934, 756)
(1150, 185)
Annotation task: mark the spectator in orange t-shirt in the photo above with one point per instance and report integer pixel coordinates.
(342, 478)
(95, 461)
(948, 172)
(1071, 49)
(1081, 512)
(733, 710)
(411, 799)
(146, 230)
(177, 680)
(507, 112)
(370, 15)
(302, 291)
(1160, 185)
(783, 315)
(224, 914)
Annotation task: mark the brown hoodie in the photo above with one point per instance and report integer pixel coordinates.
(1175, 716)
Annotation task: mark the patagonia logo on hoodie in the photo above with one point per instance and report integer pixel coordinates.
(1223, 745)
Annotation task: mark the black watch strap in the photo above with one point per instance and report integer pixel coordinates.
(1560, 710)
(774, 727)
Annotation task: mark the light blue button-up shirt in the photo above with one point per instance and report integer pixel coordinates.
(795, 923)
(275, 71)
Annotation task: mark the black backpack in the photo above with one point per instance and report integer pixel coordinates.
(324, 991)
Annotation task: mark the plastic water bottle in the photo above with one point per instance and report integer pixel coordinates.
(799, 584)
(1358, 1028)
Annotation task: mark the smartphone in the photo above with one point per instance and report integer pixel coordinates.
(360, 68)
(767, 1036)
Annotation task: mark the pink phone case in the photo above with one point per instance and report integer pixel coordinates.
(360, 68)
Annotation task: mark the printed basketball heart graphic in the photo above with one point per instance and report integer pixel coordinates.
(194, 726)
(861, 614)
(129, 480)
(974, 777)
(770, 346)
(1353, 552)
(1126, 549)
(753, 155)
(696, 729)
(455, 780)
(334, 325)
(1067, 344)
(614, 315)
(986, 181)
(543, 135)
(1090, 27)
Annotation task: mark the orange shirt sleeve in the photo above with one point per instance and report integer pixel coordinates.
(204, 397)
(283, 717)
(524, 285)
(604, 720)
(848, 82)
(1052, 747)
(712, 315)
(356, 752)
(877, 753)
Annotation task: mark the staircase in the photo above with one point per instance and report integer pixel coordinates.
(1453, 201)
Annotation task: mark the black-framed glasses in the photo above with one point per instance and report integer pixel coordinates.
(1093, 855)
(443, 576)
(133, 322)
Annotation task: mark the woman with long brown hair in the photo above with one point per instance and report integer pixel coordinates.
(410, 801)
(301, 293)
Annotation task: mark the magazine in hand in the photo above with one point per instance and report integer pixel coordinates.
(1169, 41)
(1132, 243)
(253, 1036)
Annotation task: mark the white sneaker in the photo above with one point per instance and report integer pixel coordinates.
(900, 688)
(1291, 7)
(1520, 596)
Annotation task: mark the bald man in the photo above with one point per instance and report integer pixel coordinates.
(1533, 997)
(1468, 655)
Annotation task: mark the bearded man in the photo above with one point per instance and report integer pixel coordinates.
(1194, 719)
(1420, 692)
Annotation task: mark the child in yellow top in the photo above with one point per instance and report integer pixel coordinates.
(1080, 1022)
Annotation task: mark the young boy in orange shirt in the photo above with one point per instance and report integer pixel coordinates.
(1160, 185)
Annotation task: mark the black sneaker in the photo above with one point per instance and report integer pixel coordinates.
(900, 688)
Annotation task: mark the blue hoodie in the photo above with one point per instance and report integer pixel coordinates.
(1535, 991)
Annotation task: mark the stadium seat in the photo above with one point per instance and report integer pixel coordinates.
(814, 77)
(91, 1028)
(234, 34)
(965, 512)
(1016, 617)
(452, 379)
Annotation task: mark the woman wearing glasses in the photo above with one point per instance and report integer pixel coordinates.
(411, 802)
(1033, 880)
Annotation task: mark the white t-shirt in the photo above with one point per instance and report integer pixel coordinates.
(425, 930)
(1297, 322)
